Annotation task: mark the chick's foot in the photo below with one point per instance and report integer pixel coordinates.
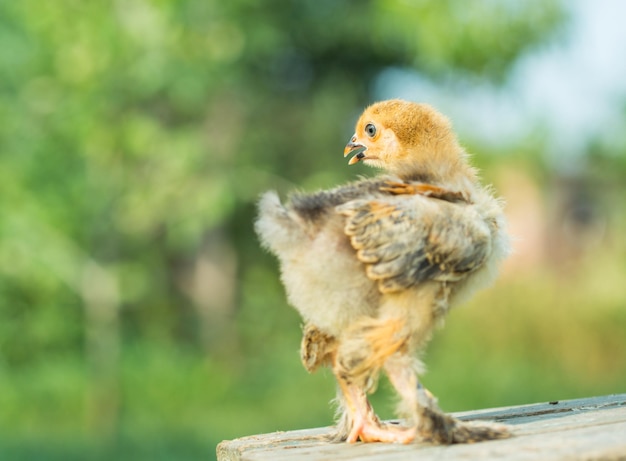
(374, 431)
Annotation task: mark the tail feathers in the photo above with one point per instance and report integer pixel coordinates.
(276, 227)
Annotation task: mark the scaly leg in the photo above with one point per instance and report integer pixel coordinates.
(429, 422)
(361, 354)
(366, 426)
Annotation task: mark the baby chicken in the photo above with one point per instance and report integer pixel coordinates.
(374, 265)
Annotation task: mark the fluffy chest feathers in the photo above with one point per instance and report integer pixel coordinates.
(346, 252)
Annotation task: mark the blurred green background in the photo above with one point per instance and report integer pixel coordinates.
(140, 320)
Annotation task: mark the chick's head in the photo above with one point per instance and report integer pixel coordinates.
(403, 137)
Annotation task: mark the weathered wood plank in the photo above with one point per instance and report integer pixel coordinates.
(589, 429)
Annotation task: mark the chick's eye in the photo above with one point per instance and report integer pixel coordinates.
(370, 129)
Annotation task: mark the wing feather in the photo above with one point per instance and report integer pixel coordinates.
(405, 241)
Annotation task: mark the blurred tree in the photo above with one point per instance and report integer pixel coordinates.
(135, 135)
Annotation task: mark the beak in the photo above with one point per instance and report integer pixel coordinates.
(356, 150)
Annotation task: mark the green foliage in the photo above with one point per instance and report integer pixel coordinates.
(138, 317)
(449, 36)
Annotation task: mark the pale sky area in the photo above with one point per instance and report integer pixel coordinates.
(573, 89)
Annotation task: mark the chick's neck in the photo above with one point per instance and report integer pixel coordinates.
(452, 171)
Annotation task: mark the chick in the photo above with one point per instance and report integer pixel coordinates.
(374, 265)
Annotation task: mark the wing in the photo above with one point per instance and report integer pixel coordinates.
(406, 240)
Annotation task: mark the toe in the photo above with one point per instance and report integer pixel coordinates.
(387, 434)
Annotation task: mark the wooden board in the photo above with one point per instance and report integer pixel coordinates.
(584, 429)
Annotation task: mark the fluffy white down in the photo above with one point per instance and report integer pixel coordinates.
(327, 284)
(323, 279)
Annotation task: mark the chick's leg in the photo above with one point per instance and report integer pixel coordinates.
(429, 422)
(418, 405)
(364, 424)
(362, 351)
